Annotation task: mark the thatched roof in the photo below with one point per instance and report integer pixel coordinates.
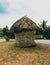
(25, 23)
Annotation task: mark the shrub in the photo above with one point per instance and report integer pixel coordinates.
(8, 33)
(39, 31)
(11, 34)
(6, 38)
(39, 37)
(46, 33)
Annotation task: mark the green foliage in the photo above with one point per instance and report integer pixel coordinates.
(8, 33)
(1, 29)
(39, 31)
(39, 37)
(46, 33)
(5, 31)
(43, 25)
(1, 32)
(7, 38)
(11, 34)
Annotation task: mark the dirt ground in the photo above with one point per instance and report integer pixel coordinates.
(11, 55)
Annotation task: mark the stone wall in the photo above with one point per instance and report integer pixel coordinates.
(24, 39)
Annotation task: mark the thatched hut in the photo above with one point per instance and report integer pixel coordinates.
(24, 30)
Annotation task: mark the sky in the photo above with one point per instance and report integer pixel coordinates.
(12, 10)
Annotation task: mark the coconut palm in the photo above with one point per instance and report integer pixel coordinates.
(43, 25)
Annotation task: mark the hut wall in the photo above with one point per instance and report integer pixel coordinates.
(24, 39)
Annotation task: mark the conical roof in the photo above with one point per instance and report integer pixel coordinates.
(26, 23)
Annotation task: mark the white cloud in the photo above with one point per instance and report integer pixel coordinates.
(37, 10)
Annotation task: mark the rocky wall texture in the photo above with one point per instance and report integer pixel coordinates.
(25, 39)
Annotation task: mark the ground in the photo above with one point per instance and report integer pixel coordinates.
(11, 55)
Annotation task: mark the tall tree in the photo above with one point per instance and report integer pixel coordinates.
(5, 31)
(46, 33)
(43, 25)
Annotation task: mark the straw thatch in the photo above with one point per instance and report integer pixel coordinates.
(24, 30)
(26, 23)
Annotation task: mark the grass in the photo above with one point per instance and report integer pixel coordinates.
(11, 55)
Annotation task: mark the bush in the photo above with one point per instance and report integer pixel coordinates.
(1, 32)
(7, 38)
(39, 31)
(46, 33)
(11, 34)
(8, 33)
(39, 37)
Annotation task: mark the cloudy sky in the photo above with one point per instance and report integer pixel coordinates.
(12, 10)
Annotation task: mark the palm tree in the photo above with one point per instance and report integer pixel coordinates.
(43, 25)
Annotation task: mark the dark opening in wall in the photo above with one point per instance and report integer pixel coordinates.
(19, 30)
